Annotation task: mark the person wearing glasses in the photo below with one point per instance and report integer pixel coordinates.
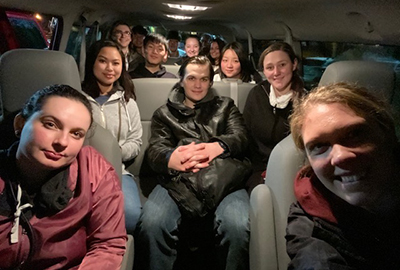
(120, 33)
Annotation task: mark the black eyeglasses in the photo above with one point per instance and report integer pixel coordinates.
(120, 33)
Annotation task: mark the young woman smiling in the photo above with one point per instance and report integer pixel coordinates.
(269, 105)
(61, 205)
(234, 64)
(111, 93)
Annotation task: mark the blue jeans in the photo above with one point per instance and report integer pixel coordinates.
(131, 202)
(157, 232)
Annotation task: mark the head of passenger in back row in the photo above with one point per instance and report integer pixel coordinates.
(215, 51)
(105, 72)
(120, 32)
(155, 52)
(234, 64)
(192, 46)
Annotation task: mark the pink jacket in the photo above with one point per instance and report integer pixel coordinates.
(88, 234)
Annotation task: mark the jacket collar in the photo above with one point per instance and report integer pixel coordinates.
(177, 96)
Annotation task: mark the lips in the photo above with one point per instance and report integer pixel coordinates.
(109, 76)
(53, 155)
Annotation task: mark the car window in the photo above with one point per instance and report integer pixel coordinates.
(29, 30)
(316, 56)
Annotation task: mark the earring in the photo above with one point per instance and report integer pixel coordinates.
(17, 133)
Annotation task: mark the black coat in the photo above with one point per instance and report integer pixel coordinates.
(213, 119)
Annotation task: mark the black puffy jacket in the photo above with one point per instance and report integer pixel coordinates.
(213, 119)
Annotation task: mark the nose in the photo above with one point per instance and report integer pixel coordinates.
(277, 71)
(61, 141)
(341, 155)
(197, 84)
(109, 66)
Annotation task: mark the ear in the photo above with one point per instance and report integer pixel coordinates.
(19, 123)
(295, 64)
(165, 57)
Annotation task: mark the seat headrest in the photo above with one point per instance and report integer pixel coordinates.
(375, 76)
(24, 71)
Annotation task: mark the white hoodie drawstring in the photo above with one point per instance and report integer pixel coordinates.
(17, 214)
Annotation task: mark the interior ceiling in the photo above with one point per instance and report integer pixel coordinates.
(371, 21)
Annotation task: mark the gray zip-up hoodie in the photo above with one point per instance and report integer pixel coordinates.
(122, 119)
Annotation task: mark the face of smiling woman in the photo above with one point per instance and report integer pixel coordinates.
(52, 137)
(107, 68)
(348, 155)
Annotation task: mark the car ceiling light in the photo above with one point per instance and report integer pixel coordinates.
(179, 17)
(187, 7)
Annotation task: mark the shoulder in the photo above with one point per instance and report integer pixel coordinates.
(93, 166)
(169, 75)
(162, 110)
(217, 77)
(225, 100)
(260, 88)
(132, 104)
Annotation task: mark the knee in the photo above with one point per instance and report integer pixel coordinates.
(233, 222)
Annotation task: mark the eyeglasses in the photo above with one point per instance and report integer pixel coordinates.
(120, 33)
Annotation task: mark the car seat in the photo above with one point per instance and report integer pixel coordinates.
(285, 161)
(23, 71)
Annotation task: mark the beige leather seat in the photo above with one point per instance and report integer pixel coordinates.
(23, 71)
(152, 93)
(285, 161)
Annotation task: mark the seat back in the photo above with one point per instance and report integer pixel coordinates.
(173, 69)
(376, 76)
(152, 93)
(24, 71)
(285, 160)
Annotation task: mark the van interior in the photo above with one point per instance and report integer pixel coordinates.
(323, 33)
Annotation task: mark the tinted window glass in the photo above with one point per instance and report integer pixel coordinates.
(28, 34)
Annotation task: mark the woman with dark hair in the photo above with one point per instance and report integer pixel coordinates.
(235, 64)
(269, 105)
(61, 205)
(111, 93)
(215, 52)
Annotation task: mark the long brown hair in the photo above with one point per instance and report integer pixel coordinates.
(297, 83)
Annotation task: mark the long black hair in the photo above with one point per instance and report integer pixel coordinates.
(90, 85)
(247, 69)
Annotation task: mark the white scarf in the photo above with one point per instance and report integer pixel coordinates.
(279, 102)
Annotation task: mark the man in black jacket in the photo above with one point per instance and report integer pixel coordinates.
(193, 132)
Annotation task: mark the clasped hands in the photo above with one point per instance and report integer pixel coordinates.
(193, 157)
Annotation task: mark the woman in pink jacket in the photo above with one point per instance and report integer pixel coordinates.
(61, 205)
